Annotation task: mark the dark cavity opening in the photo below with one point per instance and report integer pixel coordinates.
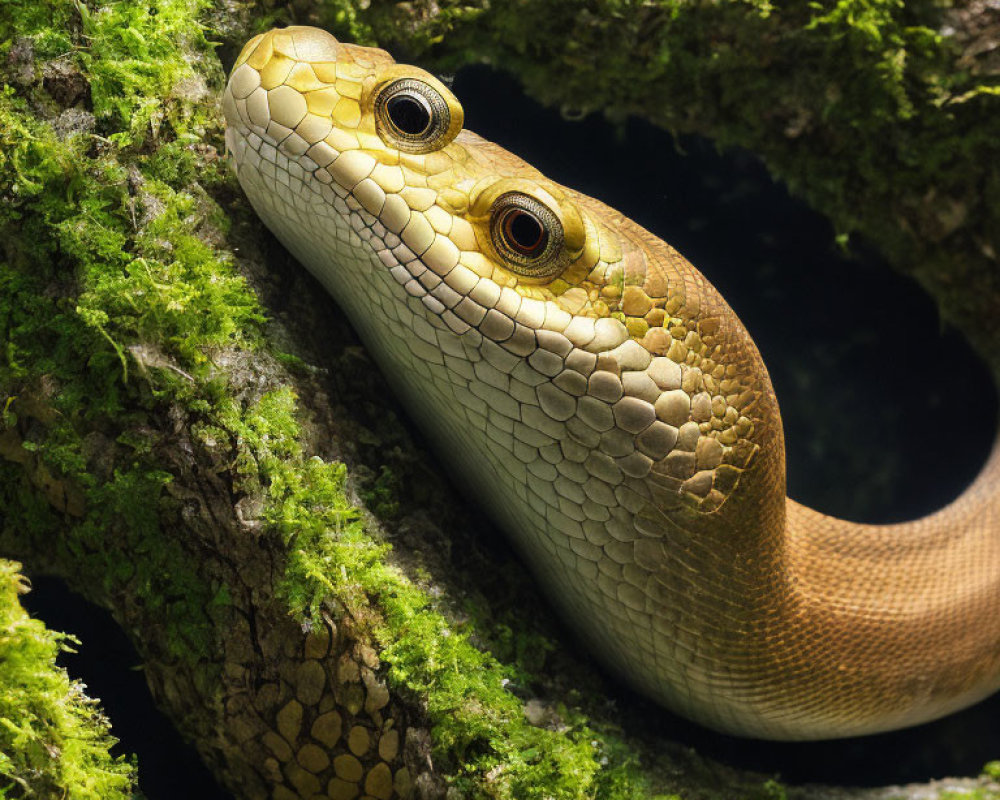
(107, 663)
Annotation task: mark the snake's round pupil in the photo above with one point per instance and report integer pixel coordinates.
(524, 232)
(527, 235)
(413, 116)
(408, 114)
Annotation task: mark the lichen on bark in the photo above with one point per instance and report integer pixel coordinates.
(178, 399)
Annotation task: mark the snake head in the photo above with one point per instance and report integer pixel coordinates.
(343, 151)
(391, 137)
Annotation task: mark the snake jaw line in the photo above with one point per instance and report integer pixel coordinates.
(614, 416)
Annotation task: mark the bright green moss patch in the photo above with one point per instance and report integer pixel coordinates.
(972, 794)
(118, 319)
(140, 67)
(110, 294)
(53, 740)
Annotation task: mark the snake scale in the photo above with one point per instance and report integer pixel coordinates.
(597, 395)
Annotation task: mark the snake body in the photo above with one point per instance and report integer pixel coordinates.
(593, 390)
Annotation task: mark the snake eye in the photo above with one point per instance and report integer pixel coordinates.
(527, 234)
(524, 232)
(412, 116)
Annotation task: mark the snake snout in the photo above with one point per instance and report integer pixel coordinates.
(298, 43)
(310, 44)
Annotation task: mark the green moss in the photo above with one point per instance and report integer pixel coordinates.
(972, 794)
(771, 790)
(380, 496)
(128, 296)
(479, 727)
(346, 19)
(53, 740)
(110, 293)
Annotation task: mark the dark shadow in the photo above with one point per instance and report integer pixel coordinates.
(107, 663)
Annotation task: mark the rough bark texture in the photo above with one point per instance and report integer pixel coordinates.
(173, 456)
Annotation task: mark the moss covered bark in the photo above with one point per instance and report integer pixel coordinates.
(178, 398)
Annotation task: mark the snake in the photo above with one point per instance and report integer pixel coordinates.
(593, 392)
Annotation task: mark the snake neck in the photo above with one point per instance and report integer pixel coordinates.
(743, 514)
(884, 626)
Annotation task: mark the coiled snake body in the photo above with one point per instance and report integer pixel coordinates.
(601, 399)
